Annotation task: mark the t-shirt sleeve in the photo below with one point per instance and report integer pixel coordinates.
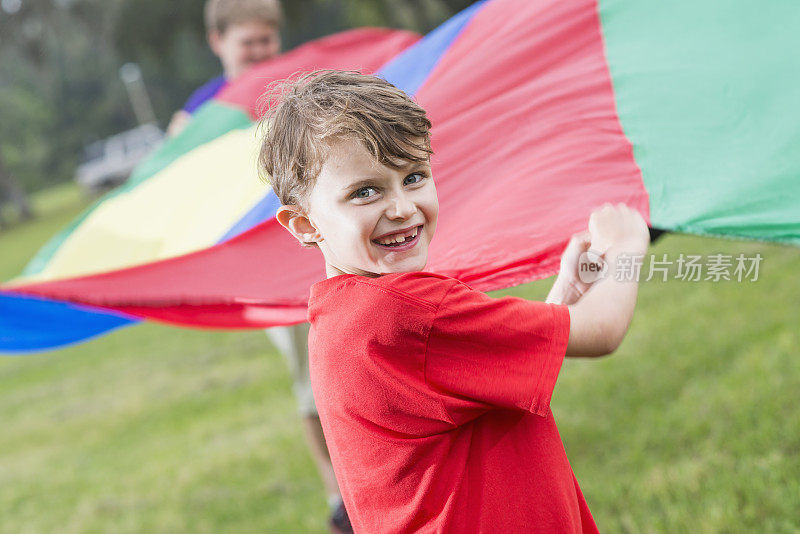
(485, 353)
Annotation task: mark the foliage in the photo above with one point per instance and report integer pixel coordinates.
(59, 87)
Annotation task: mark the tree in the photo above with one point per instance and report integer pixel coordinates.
(11, 191)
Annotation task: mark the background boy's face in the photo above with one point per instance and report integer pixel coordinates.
(242, 45)
(362, 210)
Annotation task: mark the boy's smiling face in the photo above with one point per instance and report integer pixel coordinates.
(244, 44)
(371, 219)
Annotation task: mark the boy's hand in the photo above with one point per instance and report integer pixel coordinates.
(568, 287)
(599, 320)
(611, 228)
(618, 227)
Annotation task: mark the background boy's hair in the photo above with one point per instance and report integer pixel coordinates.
(220, 14)
(322, 107)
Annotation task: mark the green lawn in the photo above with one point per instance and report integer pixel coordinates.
(692, 426)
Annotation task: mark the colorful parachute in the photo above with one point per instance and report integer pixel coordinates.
(542, 110)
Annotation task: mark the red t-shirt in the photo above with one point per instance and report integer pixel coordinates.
(435, 403)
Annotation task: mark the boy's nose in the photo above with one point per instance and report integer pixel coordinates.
(401, 207)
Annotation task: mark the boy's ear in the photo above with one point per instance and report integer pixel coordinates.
(214, 38)
(294, 219)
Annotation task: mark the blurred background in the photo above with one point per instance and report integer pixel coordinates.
(62, 89)
(692, 426)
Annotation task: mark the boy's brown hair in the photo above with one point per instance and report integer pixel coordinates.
(325, 106)
(220, 14)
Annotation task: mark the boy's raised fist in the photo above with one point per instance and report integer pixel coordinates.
(619, 227)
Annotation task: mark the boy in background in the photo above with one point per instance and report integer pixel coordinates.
(434, 398)
(243, 33)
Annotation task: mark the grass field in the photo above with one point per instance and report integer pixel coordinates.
(692, 426)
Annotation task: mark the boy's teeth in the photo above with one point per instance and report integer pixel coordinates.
(400, 238)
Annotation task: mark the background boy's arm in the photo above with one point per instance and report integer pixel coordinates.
(600, 313)
(178, 122)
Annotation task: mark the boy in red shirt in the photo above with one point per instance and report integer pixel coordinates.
(434, 398)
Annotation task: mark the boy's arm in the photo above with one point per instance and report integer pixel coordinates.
(600, 319)
(178, 122)
(600, 313)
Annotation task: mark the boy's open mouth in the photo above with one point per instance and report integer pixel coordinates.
(401, 240)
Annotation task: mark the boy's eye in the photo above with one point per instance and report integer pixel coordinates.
(413, 179)
(364, 192)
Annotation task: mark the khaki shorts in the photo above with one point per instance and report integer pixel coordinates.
(292, 342)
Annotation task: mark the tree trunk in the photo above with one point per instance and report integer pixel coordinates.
(11, 191)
